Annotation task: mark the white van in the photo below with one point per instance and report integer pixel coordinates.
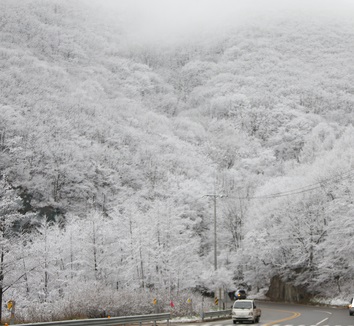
(245, 310)
(351, 307)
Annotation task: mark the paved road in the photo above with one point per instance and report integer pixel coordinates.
(275, 314)
(296, 315)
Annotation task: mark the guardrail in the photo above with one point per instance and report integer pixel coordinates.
(217, 313)
(107, 321)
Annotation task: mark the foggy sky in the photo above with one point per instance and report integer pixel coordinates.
(158, 18)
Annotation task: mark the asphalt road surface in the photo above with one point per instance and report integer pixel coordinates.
(277, 314)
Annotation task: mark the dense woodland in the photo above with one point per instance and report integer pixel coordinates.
(114, 151)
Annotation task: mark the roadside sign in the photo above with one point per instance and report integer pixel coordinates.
(10, 304)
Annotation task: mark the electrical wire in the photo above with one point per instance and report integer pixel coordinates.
(296, 191)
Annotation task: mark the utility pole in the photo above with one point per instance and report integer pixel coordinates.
(214, 196)
(215, 234)
(215, 237)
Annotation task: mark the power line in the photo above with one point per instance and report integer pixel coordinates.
(296, 191)
(317, 184)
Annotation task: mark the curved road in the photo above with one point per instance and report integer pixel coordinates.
(277, 314)
(296, 315)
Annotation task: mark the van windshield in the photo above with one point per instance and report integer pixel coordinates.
(243, 305)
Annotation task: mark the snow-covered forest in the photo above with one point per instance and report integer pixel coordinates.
(118, 154)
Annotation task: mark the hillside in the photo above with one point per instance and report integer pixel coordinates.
(114, 153)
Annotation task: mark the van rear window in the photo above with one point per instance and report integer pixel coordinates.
(243, 305)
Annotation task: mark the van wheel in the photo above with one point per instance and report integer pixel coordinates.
(234, 321)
